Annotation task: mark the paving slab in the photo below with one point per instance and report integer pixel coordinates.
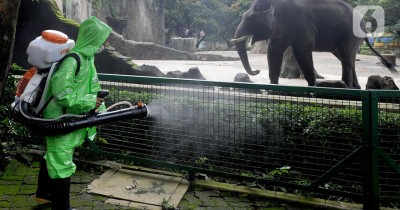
(139, 189)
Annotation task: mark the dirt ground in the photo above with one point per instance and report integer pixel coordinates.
(325, 63)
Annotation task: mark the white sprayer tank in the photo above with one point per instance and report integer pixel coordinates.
(48, 48)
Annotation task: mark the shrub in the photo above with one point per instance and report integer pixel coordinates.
(12, 133)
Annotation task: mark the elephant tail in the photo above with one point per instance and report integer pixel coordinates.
(385, 62)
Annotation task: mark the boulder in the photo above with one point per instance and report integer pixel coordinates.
(376, 82)
(193, 73)
(149, 71)
(175, 74)
(331, 84)
(242, 77)
(112, 62)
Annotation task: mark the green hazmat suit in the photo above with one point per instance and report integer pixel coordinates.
(74, 94)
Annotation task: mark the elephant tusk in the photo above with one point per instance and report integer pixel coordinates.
(239, 39)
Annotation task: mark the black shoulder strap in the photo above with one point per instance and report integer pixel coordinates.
(74, 55)
(78, 61)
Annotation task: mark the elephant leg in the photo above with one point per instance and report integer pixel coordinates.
(275, 58)
(349, 76)
(355, 80)
(305, 61)
(347, 72)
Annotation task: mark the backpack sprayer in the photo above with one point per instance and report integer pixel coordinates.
(44, 53)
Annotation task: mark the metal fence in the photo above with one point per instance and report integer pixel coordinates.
(328, 143)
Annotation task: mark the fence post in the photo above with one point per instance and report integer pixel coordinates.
(370, 143)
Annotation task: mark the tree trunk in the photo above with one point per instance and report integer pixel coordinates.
(8, 22)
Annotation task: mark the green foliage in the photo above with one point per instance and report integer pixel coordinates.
(166, 206)
(201, 160)
(280, 171)
(15, 66)
(218, 19)
(136, 96)
(11, 132)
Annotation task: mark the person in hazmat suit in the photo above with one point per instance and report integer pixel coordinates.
(72, 94)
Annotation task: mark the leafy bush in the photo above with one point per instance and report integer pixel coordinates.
(11, 132)
(308, 138)
(290, 130)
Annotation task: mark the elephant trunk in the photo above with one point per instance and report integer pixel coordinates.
(240, 43)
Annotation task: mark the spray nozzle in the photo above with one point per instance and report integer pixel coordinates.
(140, 104)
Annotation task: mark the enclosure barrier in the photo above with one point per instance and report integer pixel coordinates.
(337, 144)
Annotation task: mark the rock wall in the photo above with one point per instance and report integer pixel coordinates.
(138, 20)
(29, 27)
(60, 5)
(114, 60)
(78, 10)
(148, 50)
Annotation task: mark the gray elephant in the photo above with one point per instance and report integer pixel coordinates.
(306, 26)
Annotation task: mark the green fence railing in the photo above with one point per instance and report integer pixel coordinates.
(328, 143)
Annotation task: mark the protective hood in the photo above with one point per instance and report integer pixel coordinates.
(92, 34)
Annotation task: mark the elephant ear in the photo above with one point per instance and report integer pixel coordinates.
(266, 18)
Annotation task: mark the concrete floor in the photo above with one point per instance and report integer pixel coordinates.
(325, 63)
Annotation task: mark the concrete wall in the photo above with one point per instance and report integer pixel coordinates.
(183, 44)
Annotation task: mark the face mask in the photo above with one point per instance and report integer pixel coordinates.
(100, 49)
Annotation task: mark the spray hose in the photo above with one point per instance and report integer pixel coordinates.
(50, 127)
